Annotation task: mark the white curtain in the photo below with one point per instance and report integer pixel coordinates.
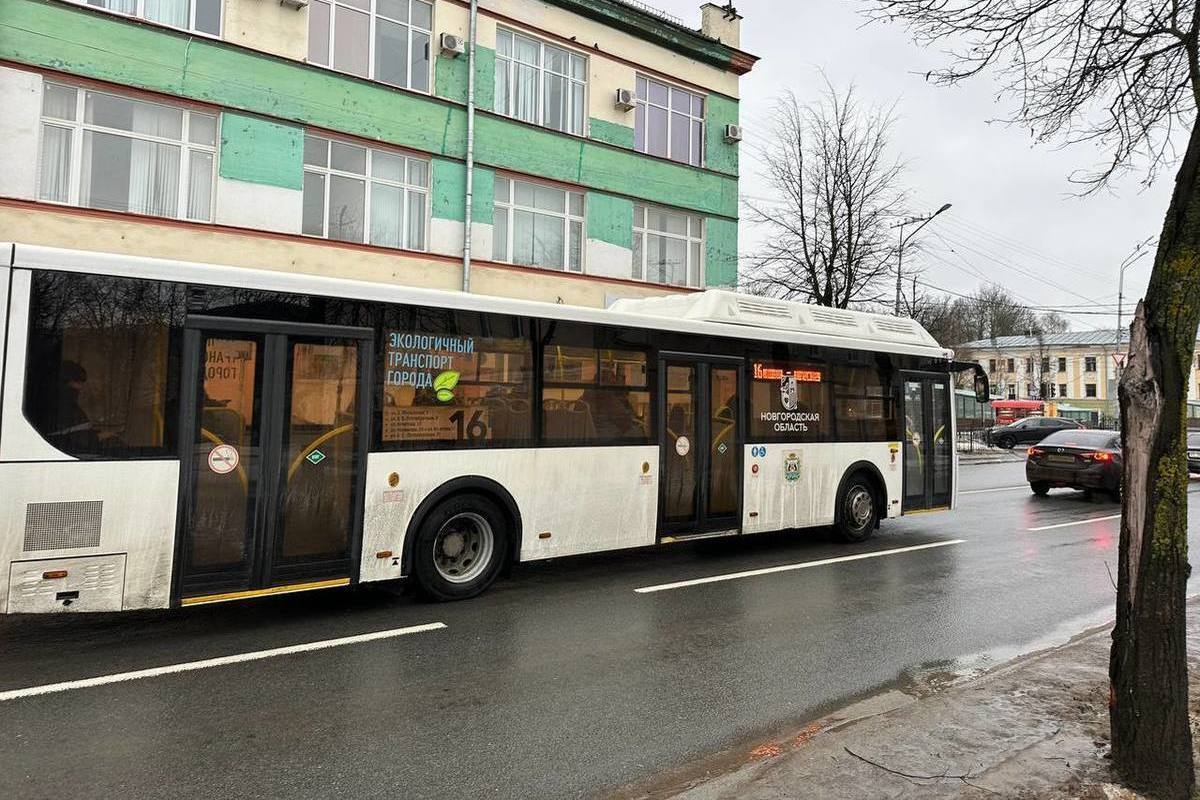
(55, 167)
(524, 106)
(121, 6)
(168, 12)
(387, 212)
(501, 99)
(153, 178)
(416, 220)
(200, 181)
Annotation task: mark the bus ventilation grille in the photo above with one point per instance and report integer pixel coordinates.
(57, 526)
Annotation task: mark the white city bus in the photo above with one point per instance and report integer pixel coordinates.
(177, 433)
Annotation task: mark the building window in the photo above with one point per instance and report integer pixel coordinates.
(537, 225)
(1029, 366)
(1062, 364)
(539, 83)
(1089, 364)
(668, 247)
(1012, 393)
(1012, 367)
(105, 151)
(386, 40)
(991, 365)
(669, 122)
(202, 16)
(1089, 390)
(360, 194)
(1062, 390)
(1045, 365)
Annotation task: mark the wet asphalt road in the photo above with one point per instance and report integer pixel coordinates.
(561, 681)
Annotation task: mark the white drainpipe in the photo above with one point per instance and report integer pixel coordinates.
(466, 268)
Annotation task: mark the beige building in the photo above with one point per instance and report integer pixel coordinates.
(1076, 367)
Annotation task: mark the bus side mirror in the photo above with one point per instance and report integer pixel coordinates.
(983, 393)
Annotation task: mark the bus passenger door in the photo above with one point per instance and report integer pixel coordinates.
(700, 484)
(273, 427)
(928, 446)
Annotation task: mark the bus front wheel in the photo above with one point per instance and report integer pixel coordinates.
(460, 548)
(858, 512)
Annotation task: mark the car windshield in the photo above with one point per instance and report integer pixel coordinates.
(1082, 438)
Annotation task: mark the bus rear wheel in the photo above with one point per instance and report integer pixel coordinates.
(858, 511)
(460, 548)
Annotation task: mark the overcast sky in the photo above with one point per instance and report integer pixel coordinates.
(1014, 218)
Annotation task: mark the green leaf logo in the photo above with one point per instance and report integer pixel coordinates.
(443, 385)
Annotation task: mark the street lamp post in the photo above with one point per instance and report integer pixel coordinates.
(1138, 252)
(904, 240)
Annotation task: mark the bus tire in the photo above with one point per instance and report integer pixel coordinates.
(857, 510)
(461, 547)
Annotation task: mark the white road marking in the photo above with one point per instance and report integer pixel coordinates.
(258, 655)
(997, 489)
(1076, 522)
(751, 573)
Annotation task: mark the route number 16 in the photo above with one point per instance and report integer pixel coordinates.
(473, 429)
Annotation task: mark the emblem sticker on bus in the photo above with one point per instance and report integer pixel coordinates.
(791, 467)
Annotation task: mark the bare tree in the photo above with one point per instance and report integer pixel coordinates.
(1124, 76)
(836, 184)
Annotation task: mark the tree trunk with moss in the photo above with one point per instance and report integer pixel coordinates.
(1151, 738)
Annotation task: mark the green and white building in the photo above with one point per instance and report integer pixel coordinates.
(331, 137)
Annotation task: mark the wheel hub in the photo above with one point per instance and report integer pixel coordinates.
(452, 544)
(463, 548)
(859, 505)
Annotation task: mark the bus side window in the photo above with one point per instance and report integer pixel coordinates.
(98, 372)
(442, 382)
(595, 395)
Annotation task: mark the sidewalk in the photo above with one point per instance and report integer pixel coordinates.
(991, 455)
(1035, 728)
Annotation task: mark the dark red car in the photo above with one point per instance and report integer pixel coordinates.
(1076, 459)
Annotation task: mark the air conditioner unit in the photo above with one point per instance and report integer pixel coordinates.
(625, 99)
(452, 45)
(733, 133)
(294, 4)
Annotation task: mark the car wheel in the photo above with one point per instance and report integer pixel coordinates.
(460, 548)
(1006, 442)
(857, 511)
(1040, 488)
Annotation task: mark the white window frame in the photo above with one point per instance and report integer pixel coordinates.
(368, 180)
(373, 15)
(640, 230)
(140, 13)
(508, 63)
(643, 104)
(509, 205)
(77, 127)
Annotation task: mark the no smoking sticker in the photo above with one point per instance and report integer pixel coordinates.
(223, 459)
